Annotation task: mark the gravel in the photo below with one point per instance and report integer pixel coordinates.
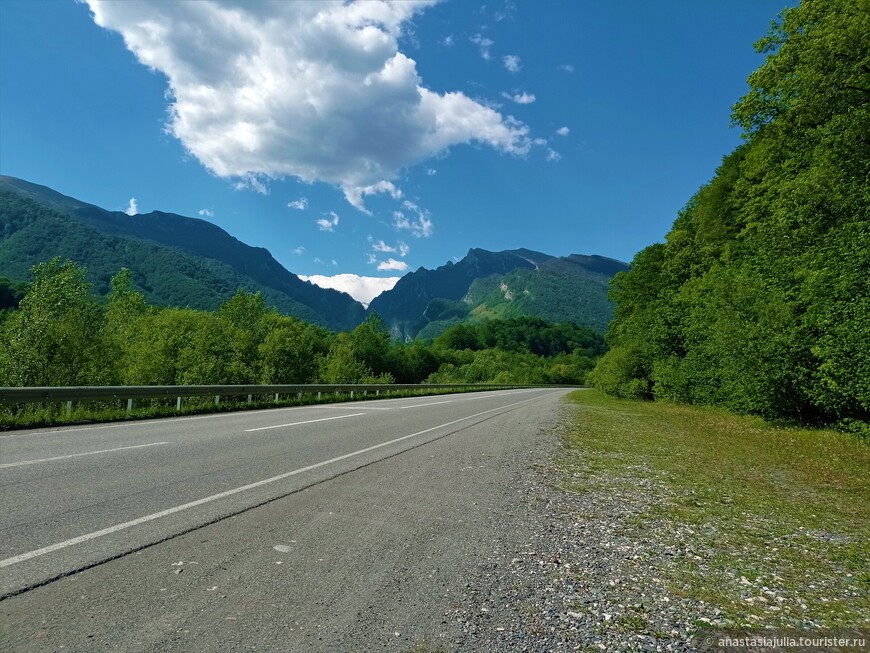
(587, 579)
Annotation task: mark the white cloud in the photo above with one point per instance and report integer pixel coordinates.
(566, 68)
(251, 181)
(354, 194)
(381, 246)
(206, 213)
(371, 259)
(431, 171)
(404, 249)
(512, 63)
(299, 205)
(328, 224)
(520, 98)
(553, 155)
(314, 90)
(483, 44)
(299, 250)
(393, 264)
(133, 209)
(448, 40)
(563, 131)
(362, 289)
(420, 226)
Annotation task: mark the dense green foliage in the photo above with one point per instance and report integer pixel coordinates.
(63, 334)
(759, 299)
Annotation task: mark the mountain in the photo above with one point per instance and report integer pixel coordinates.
(182, 261)
(486, 285)
(176, 260)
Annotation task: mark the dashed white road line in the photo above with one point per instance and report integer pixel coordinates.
(430, 403)
(308, 421)
(76, 455)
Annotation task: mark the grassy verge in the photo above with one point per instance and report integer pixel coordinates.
(769, 524)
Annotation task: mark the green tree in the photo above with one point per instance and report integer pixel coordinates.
(52, 339)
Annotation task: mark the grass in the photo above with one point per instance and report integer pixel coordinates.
(771, 523)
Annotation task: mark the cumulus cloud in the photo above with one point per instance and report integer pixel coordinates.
(553, 155)
(520, 98)
(393, 264)
(133, 208)
(483, 44)
(354, 195)
(329, 223)
(563, 131)
(299, 250)
(362, 289)
(206, 213)
(299, 204)
(418, 223)
(252, 181)
(512, 63)
(381, 246)
(314, 90)
(404, 249)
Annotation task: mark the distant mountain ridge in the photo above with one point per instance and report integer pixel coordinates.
(205, 256)
(184, 261)
(505, 284)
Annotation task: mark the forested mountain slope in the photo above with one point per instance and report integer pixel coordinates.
(512, 283)
(176, 260)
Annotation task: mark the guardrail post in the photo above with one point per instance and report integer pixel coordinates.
(69, 407)
(217, 400)
(129, 405)
(377, 392)
(249, 398)
(351, 394)
(276, 397)
(318, 395)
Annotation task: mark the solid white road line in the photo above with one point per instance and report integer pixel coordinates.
(76, 455)
(308, 421)
(214, 497)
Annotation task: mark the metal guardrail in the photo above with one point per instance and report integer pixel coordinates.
(131, 392)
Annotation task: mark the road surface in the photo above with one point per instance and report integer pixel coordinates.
(332, 527)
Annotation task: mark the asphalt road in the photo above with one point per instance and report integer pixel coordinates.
(314, 528)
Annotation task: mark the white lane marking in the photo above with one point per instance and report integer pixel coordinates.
(214, 497)
(430, 403)
(356, 407)
(76, 455)
(308, 421)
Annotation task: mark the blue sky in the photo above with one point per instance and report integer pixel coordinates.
(374, 138)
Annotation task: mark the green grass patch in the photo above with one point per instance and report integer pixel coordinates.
(770, 524)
